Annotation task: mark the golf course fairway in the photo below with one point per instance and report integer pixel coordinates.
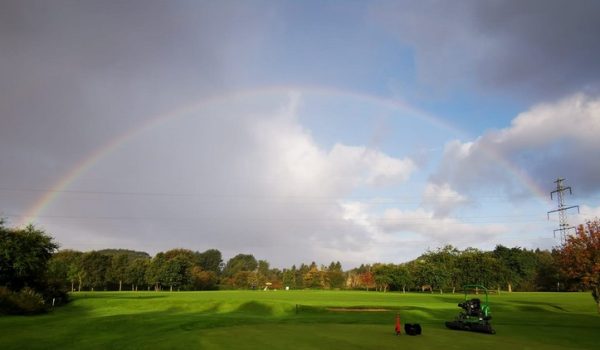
(300, 320)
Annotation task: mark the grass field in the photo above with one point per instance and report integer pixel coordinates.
(272, 320)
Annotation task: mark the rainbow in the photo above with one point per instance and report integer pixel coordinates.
(49, 196)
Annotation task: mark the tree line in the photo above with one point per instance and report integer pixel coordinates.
(32, 271)
(445, 269)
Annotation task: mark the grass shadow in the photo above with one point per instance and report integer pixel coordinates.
(255, 308)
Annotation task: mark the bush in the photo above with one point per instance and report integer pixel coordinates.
(54, 294)
(25, 302)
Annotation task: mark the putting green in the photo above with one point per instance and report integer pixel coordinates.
(300, 320)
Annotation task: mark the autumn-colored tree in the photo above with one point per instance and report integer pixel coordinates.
(203, 280)
(367, 280)
(313, 278)
(580, 257)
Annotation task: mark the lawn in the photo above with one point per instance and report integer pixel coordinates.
(299, 320)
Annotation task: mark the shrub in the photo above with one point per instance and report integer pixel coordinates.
(25, 302)
(54, 294)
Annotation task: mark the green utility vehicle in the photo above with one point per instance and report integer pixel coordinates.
(476, 315)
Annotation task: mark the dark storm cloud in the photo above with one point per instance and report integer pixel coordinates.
(81, 72)
(78, 74)
(541, 48)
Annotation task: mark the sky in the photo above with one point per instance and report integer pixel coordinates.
(299, 131)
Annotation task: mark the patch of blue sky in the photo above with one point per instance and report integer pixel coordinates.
(333, 46)
(350, 120)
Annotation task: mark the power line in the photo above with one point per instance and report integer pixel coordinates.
(399, 198)
(463, 220)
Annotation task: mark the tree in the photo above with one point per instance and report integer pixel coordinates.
(240, 262)
(439, 270)
(478, 267)
(25, 286)
(175, 271)
(432, 275)
(365, 278)
(64, 268)
(95, 266)
(155, 271)
(547, 273)
(289, 277)
(518, 267)
(136, 272)
(402, 277)
(118, 268)
(383, 276)
(263, 272)
(580, 257)
(203, 280)
(24, 256)
(178, 273)
(313, 278)
(335, 275)
(210, 260)
(299, 275)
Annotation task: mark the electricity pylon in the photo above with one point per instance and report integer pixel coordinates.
(563, 226)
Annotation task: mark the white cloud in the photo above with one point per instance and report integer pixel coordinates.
(442, 199)
(413, 231)
(575, 118)
(545, 142)
(439, 230)
(252, 179)
(587, 213)
(371, 167)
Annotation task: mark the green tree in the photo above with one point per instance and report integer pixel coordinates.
(240, 262)
(136, 272)
(95, 267)
(402, 277)
(64, 268)
(441, 270)
(118, 269)
(155, 272)
(176, 272)
(383, 274)
(210, 260)
(478, 267)
(263, 272)
(518, 267)
(24, 256)
(299, 276)
(547, 272)
(289, 277)
(176, 269)
(335, 275)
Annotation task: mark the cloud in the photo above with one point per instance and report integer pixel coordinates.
(442, 199)
(529, 48)
(545, 142)
(410, 232)
(242, 176)
(376, 168)
(587, 213)
(439, 230)
(77, 73)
